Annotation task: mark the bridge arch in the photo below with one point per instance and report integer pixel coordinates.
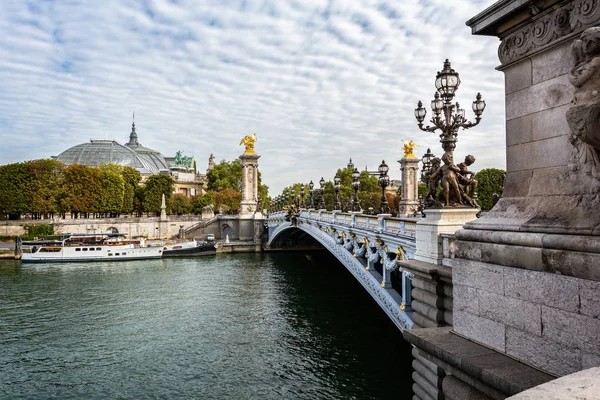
(387, 298)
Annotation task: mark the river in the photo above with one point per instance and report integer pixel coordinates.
(244, 326)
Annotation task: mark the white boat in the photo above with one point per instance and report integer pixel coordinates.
(97, 247)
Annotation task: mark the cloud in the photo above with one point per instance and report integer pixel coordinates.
(319, 82)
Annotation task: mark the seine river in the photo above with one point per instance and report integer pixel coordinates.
(247, 326)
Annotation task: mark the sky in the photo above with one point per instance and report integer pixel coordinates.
(318, 81)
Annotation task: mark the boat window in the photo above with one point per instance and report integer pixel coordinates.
(98, 249)
(124, 254)
(78, 249)
(85, 249)
(92, 249)
(116, 254)
(110, 254)
(50, 249)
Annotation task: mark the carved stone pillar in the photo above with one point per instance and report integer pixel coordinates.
(410, 186)
(249, 185)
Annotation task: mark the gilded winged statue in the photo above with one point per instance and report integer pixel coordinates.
(408, 149)
(248, 141)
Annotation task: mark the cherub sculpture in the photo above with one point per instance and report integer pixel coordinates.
(248, 142)
(584, 114)
(450, 174)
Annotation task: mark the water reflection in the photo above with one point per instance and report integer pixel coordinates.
(234, 326)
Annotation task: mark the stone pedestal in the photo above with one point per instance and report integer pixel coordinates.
(249, 185)
(410, 186)
(436, 222)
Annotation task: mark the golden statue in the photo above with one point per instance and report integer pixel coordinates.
(248, 141)
(408, 149)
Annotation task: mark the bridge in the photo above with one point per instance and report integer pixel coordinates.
(369, 246)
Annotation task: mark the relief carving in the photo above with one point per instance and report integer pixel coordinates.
(548, 28)
(584, 114)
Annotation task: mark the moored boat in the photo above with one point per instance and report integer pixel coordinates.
(84, 247)
(190, 248)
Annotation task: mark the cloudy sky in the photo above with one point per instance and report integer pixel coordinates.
(319, 81)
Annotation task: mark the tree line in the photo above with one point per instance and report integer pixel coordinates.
(46, 188)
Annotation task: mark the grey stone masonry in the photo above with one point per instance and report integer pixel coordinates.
(547, 320)
(478, 368)
(431, 293)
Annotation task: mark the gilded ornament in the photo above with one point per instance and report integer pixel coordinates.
(408, 149)
(248, 141)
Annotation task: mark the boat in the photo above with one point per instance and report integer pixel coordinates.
(190, 248)
(86, 247)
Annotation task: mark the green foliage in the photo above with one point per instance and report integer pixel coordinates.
(131, 181)
(490, 181)
(15, 188)
(81, 188)
(45, 185)
(38, 230)
(422, 190)
(225, 175)
(180, 204)
(202, 201)
(227, 199)
(369, 193)
(156, 186)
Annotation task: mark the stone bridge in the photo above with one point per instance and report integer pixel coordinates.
(369, 246)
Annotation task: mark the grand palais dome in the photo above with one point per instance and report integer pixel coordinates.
(132, 154)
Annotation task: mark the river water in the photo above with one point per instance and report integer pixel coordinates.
(245, 326)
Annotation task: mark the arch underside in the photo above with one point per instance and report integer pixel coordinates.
(385, 298)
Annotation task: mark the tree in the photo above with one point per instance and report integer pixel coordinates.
(109, 199)
(229, 200)
(200, 202)
(79, 193)
(180, 204)
(156, 186)
(131, 180)
(490, 181)
(45, 186)
(225, 175)
(15, 188)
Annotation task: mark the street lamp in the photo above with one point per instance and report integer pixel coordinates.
(426, 160)
(302, 194)
(448, 117)
(311, 186)
(355, 186)
(336, 187)
(322, 199)
(384, 181)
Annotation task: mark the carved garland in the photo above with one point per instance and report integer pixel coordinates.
(570, 19)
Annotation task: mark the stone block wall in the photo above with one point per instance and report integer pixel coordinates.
(547, 320)
(431, 293)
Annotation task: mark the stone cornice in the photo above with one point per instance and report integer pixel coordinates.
(548, 29)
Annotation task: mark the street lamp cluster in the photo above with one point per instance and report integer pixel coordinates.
(316, 197)
(448, 117)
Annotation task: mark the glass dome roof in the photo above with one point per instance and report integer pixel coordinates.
(98, 152)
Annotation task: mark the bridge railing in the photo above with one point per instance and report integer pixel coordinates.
(376, 223)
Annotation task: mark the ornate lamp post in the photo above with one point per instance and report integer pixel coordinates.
(384, 181)
(302, 195)
(355, 186)
(311, 186)
(336, 187)
(448, 117)
(322, 190)
(426, 160)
